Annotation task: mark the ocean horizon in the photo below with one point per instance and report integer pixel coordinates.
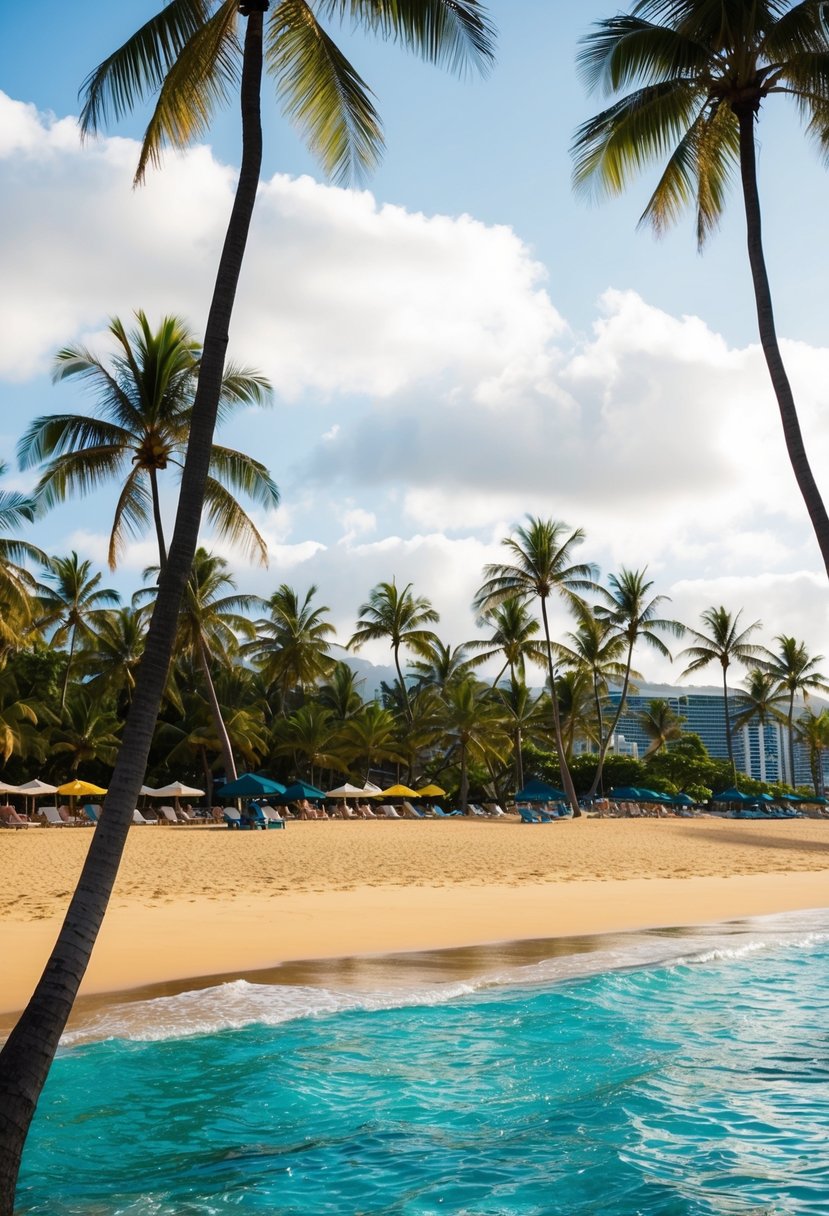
(665, 1073)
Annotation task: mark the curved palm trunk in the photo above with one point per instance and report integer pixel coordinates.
(611, 730)
(768, 338)
(65, 687)
(566, 779)
(216, 712)
(28, 1053)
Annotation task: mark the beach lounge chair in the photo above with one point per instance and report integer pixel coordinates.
(139, 820)
(441, 814)
(50, 817)
(77, 821)
(528, 816)
(272, 817)
(92, 812)
(389, 811)
(413, 812)
(9, 818)
(493, 809)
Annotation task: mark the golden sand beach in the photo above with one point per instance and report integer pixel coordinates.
(193, 902)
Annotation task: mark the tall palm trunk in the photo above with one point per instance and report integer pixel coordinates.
(159, 530)
(27, 1056)
(65, 686)
(566, 779)
(216, 713)
(464, 791)
(611, 730)
(790, 723)
(728, 723)
(768, 337)
(407, 709)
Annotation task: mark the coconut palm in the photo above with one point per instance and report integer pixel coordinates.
(70, 604)
(212, 618)
(526, 717)
(796, 671)
(341, 693)
(144, 397)
(598, 648)
(88, 734)
(661, 724)
(369, 739)
(307, 736)
(475, 728)
(699, 72)
(17, 585)
(19, 716)
(759, 701)
(292, 649)
(813, 732)
(724, 643)
(513, 638)
(400, 617)
(631, 611)
(192, 56)
(574, 690)
(440, 665)
(113, 653)
(541, 566)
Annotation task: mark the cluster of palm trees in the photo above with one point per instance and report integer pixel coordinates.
(264, 683)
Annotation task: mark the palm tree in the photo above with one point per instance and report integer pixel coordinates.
(400, 617)
(661, 724)
(525, 718)
(813, 732)
(700, 72)
(212, 616)
(759, 702)
(113, 653)
(574, 690)
(541, 552)
(341, 694)
(513, 638)
(89, 733)
(440, 665)
(597, 647)
(144, 395)
(70, 604)
(189, 55)
(796, 671)
(369, 738)
(474, 724)
(18, 718)
(724, 643)
(17, 585)
(632, 613)
(292, 649)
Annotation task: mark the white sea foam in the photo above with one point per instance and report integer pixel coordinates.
(238, 1003)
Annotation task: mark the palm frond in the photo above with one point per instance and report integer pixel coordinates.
(78, 472)
(232, 522)
(244, 473)
(194, 86)
(242, 386)
(624, 50)
(452, 33)
(133, 512)
(622, 140)
(799, 31)
(321, 93)
(138, 68)
(66, 435)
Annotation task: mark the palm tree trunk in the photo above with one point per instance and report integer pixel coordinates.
(611, 730)
(464, 781)
(728, 723)
(159, 530)
(768, 337)
(28, 1053)
(65, 685)
(216, 713)
(406, 707)
(790, 724)
(566, 779)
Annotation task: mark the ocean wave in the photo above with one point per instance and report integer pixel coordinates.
(238, 1003)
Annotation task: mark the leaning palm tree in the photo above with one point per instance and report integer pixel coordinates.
(513, 638)
(213, 616)
(724, 643)
(192, 55)
(813, 732)
(143, 410)
(541, 566)
(631, 612)
(796, 671)
(400, 617)
(699, 72)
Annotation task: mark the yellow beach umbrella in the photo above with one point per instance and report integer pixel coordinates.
(397, 791)
(431, 791)
(79, 789)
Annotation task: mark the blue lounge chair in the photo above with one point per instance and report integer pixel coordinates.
(441, 814)
(93, 813)
(528, 816)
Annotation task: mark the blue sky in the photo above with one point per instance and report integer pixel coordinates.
(463, 342)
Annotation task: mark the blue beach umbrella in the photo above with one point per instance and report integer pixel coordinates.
(301, 789)
(628, 793)
(730, 795)
(682, 800)
(539, 791)
(250, 785)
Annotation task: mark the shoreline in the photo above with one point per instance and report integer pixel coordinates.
(190, 905)
(166, 948)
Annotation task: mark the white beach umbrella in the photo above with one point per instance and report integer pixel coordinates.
(176, 789)
(346, 791)
(371, 788)
(36, 787)
(5, 788)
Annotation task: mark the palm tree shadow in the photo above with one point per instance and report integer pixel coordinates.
(788, 843)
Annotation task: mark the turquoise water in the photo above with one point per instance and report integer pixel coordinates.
(672, 1075)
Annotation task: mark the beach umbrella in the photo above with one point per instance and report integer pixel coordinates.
(683, 800)
(346, 791)
(431, 791)
(250, 785)
(730, 795)
(371, 788)
(300, 789)
(9, 789)
(397, 791)
(33, 789)
(79, 789)
(628, 793)
(176, 789)
(538, 791)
